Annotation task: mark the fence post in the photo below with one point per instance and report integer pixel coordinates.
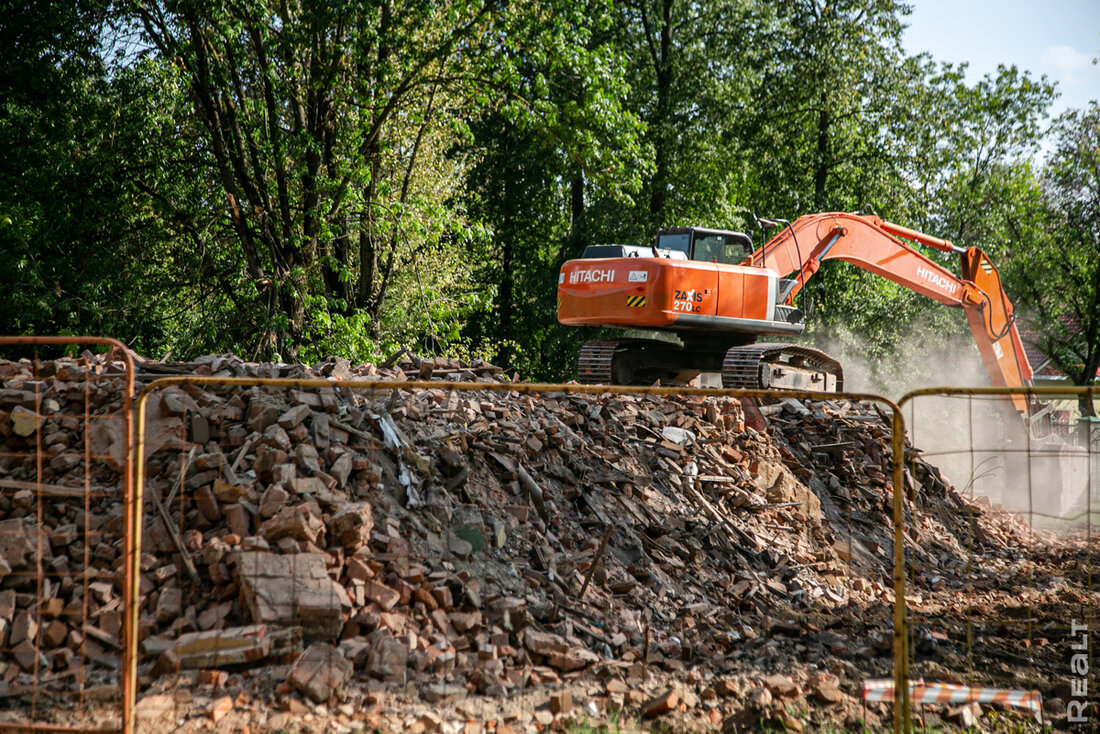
(902, 721)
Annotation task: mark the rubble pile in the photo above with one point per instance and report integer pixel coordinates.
(409, 559)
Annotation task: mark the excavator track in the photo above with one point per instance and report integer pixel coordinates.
(782, 366)
(642, 362)
(594, 362)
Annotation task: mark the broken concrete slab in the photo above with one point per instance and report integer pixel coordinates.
(277, 589)
(319, 672)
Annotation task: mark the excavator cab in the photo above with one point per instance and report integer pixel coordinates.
(726, 247)
(706, 245)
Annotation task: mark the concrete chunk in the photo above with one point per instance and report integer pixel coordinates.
(217, 648)
(289, 590)
(352, 525)
(319, 672)
(296, 522)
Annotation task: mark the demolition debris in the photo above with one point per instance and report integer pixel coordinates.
(407, 559)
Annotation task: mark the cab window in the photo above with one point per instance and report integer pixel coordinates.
(720, 248)
(680, 242)
(736, 250)
(710, 248)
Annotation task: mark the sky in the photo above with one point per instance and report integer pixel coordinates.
(1058, 38)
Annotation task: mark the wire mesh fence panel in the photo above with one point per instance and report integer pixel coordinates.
(1002, 591)
(388, 551)
(65, 555)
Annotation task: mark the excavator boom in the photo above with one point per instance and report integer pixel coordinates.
(877, 246)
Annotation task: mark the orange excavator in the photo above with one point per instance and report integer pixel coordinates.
(717, 293)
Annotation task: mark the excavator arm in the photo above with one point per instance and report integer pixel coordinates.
(877, 246)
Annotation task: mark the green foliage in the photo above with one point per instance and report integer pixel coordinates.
(291, 180)
(689, 67)
(1056, 264)
(570, 137)
(827, 132)
(970, 182)
(82, 257)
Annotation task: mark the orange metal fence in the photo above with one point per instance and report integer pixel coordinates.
(67, 557)
(235, 472)
(1011, 597)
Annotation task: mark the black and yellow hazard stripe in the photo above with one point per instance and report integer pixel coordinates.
(635, 301)
(987, 266)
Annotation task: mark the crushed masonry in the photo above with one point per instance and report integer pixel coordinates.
(404, 560)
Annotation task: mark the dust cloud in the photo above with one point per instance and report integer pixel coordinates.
(979, 443)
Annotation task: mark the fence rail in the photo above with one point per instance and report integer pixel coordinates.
(1011, 599)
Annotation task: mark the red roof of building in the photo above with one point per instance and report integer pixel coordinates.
(1041, 363)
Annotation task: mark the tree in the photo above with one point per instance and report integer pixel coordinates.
(920, 146)
(832, 130)
(832, 93)
(565, 138)
(971, 162)
(973, 179)
(79, 256)
(1059, 274)
(691, 74)
(312, 120)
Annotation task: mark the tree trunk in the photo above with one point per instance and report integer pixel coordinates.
(370, 241)
(337, 285)
(821, 173)
(370, 237)
(368, 258)
(662, 115)
(291, 304)
(1087, 403)
(506, 299)
(578, 235)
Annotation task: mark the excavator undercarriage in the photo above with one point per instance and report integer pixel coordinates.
(752, 366)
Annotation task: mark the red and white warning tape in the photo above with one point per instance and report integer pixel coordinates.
(921, 692)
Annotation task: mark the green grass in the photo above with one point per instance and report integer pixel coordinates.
(613, 726)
